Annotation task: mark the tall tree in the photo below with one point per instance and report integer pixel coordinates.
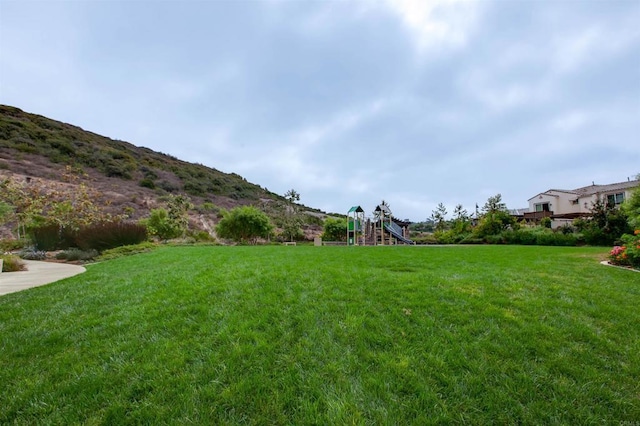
(291, 226)
(292, 196)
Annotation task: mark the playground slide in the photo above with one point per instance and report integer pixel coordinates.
(396, 231)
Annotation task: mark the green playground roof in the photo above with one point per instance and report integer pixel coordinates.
(356, 209)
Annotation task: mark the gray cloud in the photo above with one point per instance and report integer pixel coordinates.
(348, 102)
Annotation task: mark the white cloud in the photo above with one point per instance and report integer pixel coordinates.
(496, 92)
(436, 22)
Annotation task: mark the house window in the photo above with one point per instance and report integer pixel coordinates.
(542, 207)
(615, 199)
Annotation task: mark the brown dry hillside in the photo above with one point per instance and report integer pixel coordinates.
(128, 178)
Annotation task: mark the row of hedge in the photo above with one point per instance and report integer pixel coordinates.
(100, 236)
(524, 236)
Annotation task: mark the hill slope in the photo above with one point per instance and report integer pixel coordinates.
(38, 149)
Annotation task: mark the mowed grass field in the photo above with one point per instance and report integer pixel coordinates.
(327, 335)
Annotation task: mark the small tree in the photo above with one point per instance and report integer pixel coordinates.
(461, 222)
(291, 225)
(495, 217)
(244, 224)
(335, 229)
(291, 229)
(292, 195)
(632, 207)
(494, 204)
(161, 225)
(5, 212)
(439, 217)
(605, 225)
(179, 207)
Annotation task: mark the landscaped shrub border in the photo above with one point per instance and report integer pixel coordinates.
(628, 253)
(99, 236)
(103, 236)
(539, 236)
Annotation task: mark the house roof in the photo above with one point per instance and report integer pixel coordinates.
(356, 209)
(518, 212)
(587, 191)
(598, 189)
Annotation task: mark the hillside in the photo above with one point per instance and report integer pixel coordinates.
(128, 178)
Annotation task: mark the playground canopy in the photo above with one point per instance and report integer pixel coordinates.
(383, 208)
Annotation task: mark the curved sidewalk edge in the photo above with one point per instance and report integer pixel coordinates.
(606, 263)
(37, 274)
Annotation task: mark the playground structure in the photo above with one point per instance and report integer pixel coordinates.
(382, 229)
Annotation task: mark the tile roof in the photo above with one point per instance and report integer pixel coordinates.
(586, 191)
(598, 189)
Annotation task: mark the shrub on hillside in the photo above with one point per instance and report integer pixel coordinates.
(147, 183)
(202, 236)
(103, 236)
(11, 263)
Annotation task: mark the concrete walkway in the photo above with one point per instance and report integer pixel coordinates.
(37, 274)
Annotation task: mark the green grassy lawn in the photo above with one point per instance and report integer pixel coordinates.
(327, 335)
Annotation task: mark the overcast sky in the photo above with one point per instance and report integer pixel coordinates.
(348, 102)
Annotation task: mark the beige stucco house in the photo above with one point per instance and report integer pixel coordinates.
(562, 205)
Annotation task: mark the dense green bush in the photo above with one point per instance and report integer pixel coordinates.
(335, 229)
(450, 236)
(103, 236)
(12, 263)
(606, 224)
(147, 183)
(424, 238)
(13, 244)
(538, 235)
(244, 224)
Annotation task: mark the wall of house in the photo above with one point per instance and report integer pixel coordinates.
(565, 203)
(559, 202)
